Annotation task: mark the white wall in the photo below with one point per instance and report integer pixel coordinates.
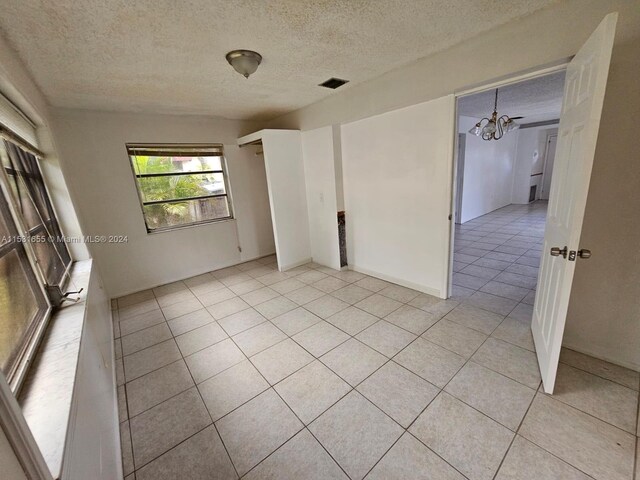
(18, 86)
(488, 171)
(530, 157)
(397, 187)
(99, 176)
(320, 178)
(287, 196)
(93, 435)
(607, 286)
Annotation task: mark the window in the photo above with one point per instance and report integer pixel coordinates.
(180, 185)
(23, 306)
(36, 212)
(33, 256)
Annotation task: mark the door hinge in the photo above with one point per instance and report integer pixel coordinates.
(239, 248)
(450, 216)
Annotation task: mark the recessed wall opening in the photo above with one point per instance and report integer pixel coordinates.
(257, 151)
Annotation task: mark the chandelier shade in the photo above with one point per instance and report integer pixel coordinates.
(495, 127)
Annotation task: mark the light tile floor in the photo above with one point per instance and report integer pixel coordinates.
(318, 374)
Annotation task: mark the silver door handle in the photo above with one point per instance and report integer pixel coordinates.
(557, 251)
(584, 253)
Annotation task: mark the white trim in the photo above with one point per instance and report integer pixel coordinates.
(545, 171)
(398, 281)
(454, 194)
(47, 401)
(248, 259)
(19, 435)
(284, 268)
(535, 72)
(516, 78)
(452, 154)
(604, 356)
(251, 138)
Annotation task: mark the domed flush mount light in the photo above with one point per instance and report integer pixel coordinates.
(245, 62)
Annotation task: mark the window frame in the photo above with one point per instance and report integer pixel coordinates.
(47, 226)
(38, 325)
(179, 150)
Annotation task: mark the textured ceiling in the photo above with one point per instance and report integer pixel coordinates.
(168, 56)
(537, 100)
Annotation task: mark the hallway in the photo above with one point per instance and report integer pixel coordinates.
(497, 255)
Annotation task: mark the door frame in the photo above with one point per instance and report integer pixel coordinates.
(529, 74)
(545, 171)
(459, 172)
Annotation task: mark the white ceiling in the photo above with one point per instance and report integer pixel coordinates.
(168, 56)
(538, 100)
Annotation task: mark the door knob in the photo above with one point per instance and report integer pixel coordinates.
(584, 253)
(557, 251)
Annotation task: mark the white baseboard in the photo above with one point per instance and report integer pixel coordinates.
(284, 268)
(208, 270)
(595, 353)
(399, 281)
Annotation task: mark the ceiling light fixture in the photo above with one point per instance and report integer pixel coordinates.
(245, 62)
(495, 127)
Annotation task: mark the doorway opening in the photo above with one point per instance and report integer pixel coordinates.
(501, 193)
(581, 106)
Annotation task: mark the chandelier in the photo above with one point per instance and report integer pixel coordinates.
(495, 127)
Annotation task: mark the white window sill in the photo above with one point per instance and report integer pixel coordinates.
(190, 225)
(46, 396)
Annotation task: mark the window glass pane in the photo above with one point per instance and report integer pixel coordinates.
(36, 212)
(169, 187)
(47, 256)
(5, 234)
(182, 213)
(27, 210)
(148, 164)
(26, 188)
(58, 241)
(18, 308)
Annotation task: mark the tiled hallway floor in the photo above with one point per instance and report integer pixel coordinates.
(318, 374)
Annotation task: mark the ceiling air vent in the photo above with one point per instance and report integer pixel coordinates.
(333, 83)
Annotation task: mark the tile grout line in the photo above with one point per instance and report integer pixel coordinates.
(517, 432)
(272, 387)
(195, 385)
(539, 392)
(462, 401)
(315, 358)
(353, 336)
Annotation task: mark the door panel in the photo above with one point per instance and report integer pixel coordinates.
(577, 134)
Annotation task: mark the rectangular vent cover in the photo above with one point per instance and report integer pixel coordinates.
(333, 83)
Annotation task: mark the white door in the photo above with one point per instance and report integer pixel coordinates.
(549, 158)
(579, 122)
